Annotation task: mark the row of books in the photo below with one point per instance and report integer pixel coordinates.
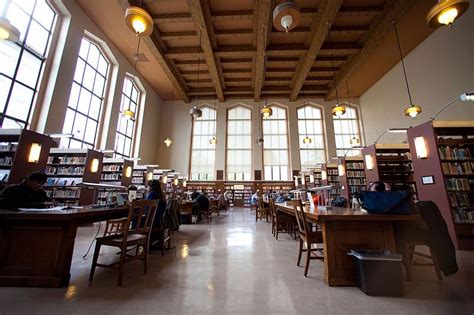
(332, 171)
(62, 181)
(394, 168)
(448, 153)
(464, 216)
(333, 178)
(461, 200)
(8, 147)
(66, 193)
(354, 165)
(458, 184)
(137, 180)
(66, 160)
(6, 161)
(354, 189)
(138, 173)
(111, 176)
(356, 181)
(355, 174)
(112, 168)
(72, 170)
(457, 168)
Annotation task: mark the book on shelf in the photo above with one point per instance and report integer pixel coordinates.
(447, 152)
(62, 181)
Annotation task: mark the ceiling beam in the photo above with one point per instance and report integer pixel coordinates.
(201, 13)
(393, 11)
(155, 46)
(329, 9)
(262, 28)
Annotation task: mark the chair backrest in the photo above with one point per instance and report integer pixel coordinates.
(261, 206)
(140, 217)
(271, 203)
(298, 207)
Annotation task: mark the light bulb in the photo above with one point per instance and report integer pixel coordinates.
(4, 34)
(168, 142)
(286, 22)
(138, 24)
(307, 140)
(448, 16)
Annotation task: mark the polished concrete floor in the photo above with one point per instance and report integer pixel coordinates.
(234, 266)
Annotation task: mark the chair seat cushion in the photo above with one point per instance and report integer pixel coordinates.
(116, 240)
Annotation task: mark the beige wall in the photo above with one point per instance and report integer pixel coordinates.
(439, 69)
(53, 97)
(178, 155)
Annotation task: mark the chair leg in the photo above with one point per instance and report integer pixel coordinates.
(94, 261)
(121, 265)
(407, 261)
(300, 251)
(434, 258)
(308, 256)
(145, 258)
(276, 231)
(162, 243)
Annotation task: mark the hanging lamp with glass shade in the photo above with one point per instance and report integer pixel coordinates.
(168, 142)
(306, 140)
(196, 112)
(8, 31)
(338, 109)
(213, 140)
(445, 12)
(413, 110)
(354, 140)
(260, 138)
(266, 111)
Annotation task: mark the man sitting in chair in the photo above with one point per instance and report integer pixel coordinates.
(200, 205)
(28, 193)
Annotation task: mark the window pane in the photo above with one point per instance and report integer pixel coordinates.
(36, 35)
(239, 143)
(29, 67)
(9, 53)
(43, 14)
(20, 102)
(275, 147)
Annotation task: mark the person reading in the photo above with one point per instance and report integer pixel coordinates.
(28, 193)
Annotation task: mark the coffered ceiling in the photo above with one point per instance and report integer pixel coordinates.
(243, 56)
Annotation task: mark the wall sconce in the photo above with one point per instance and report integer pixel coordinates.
(369, 162)
(149, 176)
(311, 178)
(176, 182)
(184, 184)
(303, 179)
(128, 171)
(35, 152)
(296, 181)
(324, 175)
(164, 179)
(341, 171)
(95, 165)
(420, 147)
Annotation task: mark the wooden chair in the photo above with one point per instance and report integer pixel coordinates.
(261, 211)
(136, 234)
(214, 206)
(307, 236)
(280, 221)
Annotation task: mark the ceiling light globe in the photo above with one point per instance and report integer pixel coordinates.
(307, 140)
(286, 16)
(266, 112)
(168, 142)
(286, 22)
(412, 111)
(338, 110)
(195, 112)
(213, 141)
(8, 31)
(445, 12)
(355, 141)
(129, 114)
(467, 97)
(139, 20)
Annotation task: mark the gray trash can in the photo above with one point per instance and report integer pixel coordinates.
(379, 272)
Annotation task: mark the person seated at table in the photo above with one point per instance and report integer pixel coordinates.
(28, 193)
(221, 201)
(254, 198)
(280, 198)
(200, 205)
(155, 192)
(379, 186)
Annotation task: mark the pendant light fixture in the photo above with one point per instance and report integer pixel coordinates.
(266, 111)
(445, 12)
(8, 31)
(168, 142)
(339, 109)
(413, 110)
(354, 140)
(195, 112)
(213, 140)
(140, 22)
(260, 138)
(306, 140)
(286, 16)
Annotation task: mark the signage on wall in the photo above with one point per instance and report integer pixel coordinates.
(427, 180)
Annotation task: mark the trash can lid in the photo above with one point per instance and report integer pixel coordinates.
(375, 254)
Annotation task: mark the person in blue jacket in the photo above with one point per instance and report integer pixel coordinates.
(155, 192)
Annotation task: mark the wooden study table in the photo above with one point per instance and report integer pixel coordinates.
(345, 229)
(36, 247)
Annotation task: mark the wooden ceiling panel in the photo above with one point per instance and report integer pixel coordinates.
(290, 65)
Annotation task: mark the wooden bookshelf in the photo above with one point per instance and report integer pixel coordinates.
(391, 163)
(332, 178)
(352, 178)
(140, 176)
(115, 172)
(15, 146)
(446, 175)
(312, 178)
(66, 168)
(241, 192)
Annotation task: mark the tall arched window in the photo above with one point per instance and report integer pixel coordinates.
(86, 98)
(239, 143)
(126, 126)
(310, 124)
(275, 145)
(203, 152)
(22, 63)
(346, 127)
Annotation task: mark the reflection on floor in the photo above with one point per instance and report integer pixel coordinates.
(233, 266)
